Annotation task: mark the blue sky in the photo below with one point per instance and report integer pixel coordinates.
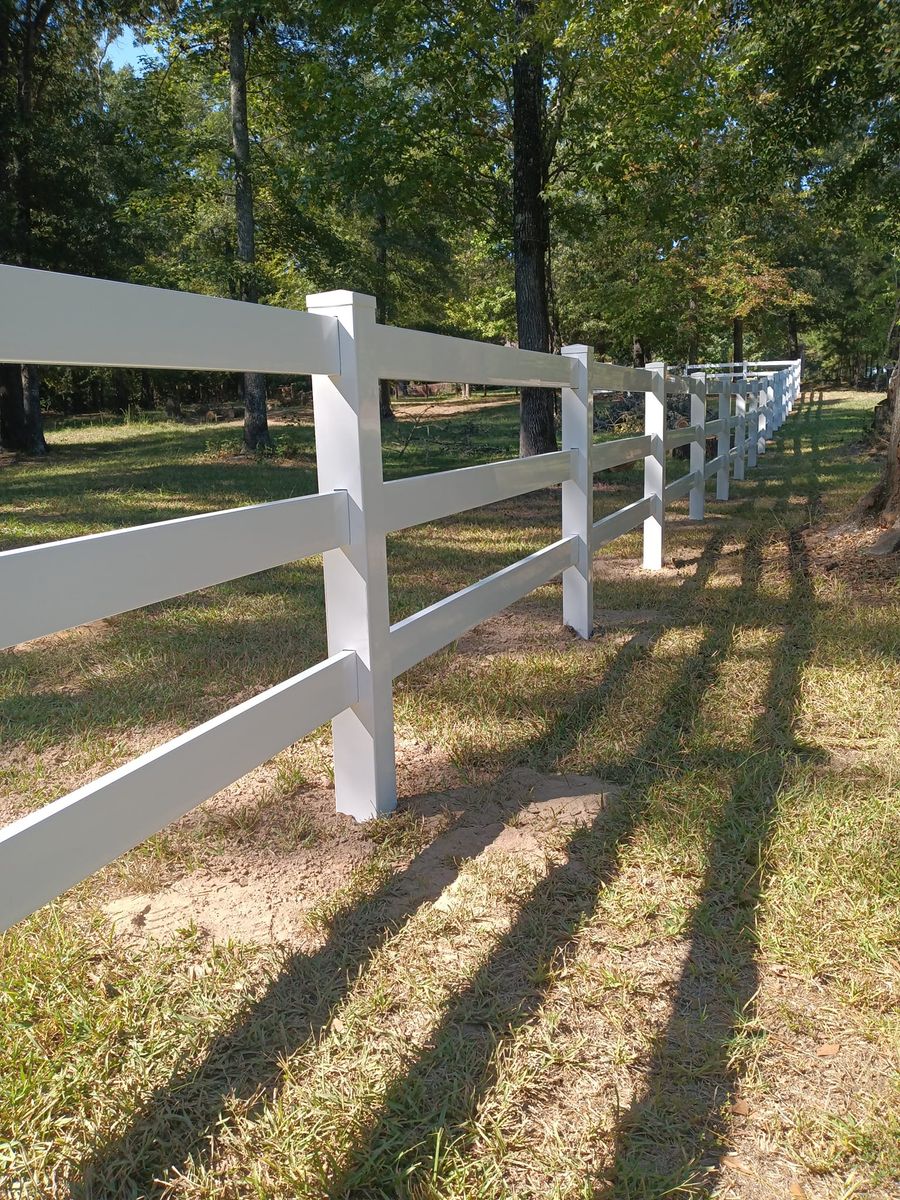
(124, 53)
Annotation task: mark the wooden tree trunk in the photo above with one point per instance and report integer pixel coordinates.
(256, 423)
(31, 407)
(12, 412)
(148, 391)
(381, 303)
(738, 340)
(21, 424)
(892, 467)
(884, 499)
(638, 353)
(793, 335)
(120, 390)
(20, 398)
(537, 428)
(694, 331)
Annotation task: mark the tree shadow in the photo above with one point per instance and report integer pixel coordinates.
(439, 1092)
(436, 1103)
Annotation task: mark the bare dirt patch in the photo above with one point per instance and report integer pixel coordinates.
(526, 629)
(255, 889)
(844, 555)
(626, 618)
(521, 630)
(257, 893)
(610, 567)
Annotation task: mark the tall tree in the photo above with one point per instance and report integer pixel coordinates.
(256, 424)
(22, 40)
(62, 167)
(531, 225)
(738, 341)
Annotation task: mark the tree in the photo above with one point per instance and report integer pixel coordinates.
(531, 225)
(256, 425)
(830, 74)
(207, 204)
(65, 173)
(22, 38)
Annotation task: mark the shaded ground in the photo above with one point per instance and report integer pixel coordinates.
(633, 933)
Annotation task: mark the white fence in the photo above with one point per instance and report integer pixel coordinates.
(57, 319)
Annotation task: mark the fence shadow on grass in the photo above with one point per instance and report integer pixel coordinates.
(430, 1105)
(672, 1135)
(435, 1104)
(179, 1119)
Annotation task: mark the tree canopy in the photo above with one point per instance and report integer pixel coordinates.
(635, 175)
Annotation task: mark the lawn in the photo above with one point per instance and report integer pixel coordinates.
(633, 932)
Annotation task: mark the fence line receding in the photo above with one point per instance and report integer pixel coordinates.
(64, 320)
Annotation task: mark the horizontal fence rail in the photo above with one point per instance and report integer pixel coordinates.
(681, 437)
(50, 850)
(610, 377)
(48, 319)
(620, 452)
(680, 487)
(607, 529)
(436, 626)
(418, 499)
(110, 573)
(409, 354)
(64, 320)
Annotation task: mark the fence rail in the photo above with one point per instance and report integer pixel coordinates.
(64, 320)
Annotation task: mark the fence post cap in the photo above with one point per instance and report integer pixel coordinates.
(340, 299)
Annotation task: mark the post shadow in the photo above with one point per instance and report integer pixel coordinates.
(672, 1137)
(431, 1105)
(242, 1062)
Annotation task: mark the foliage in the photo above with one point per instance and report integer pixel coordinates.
(703, 162)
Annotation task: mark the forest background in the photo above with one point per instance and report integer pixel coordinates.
(659, 180)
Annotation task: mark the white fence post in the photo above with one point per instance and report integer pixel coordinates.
(740, 429)
(723, 445)
(348, 456)
(697, 498)
(771, 391)
(578, 493)
(753, 423)
(655, 468)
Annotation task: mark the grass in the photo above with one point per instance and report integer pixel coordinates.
(689, 991)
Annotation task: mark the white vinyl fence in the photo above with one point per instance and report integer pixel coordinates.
(48, 318)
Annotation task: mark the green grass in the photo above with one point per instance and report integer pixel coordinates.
(574, 1021)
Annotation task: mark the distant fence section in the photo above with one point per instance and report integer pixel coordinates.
(53, 319)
